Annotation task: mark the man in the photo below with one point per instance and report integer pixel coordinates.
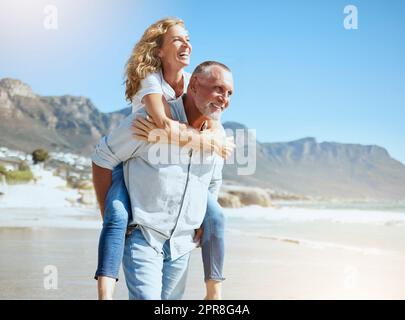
(168, 198)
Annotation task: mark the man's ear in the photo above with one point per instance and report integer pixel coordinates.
(193, 84)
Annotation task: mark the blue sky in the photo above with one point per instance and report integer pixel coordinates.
(298, 72)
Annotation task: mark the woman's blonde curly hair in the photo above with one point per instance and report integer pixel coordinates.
(144, 57)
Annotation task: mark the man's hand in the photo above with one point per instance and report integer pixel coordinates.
(198, 235)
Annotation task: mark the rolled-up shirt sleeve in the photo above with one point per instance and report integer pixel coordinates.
(119, 146)
(151, 84)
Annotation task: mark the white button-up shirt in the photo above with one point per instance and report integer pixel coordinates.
(168, 186)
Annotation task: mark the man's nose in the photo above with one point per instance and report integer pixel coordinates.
(223, 99)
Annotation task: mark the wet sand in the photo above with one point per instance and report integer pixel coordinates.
(257, 267)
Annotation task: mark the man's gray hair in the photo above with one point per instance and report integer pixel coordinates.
(204, 66)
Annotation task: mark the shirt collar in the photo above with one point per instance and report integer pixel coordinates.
(183, 116)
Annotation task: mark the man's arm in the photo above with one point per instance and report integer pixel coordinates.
(102, 179)
(119, 145)
(111, 150)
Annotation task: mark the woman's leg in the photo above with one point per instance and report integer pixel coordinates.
(112, 238)
(213, 248)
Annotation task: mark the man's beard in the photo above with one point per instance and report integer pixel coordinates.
(206, 111)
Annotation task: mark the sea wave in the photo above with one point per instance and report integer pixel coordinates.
(321, 245)
(290, 214)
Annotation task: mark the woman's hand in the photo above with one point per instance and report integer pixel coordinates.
(215, 141)
(228, 147)
(172, 132)
(142, 127)
(223, 146)
(180, 134)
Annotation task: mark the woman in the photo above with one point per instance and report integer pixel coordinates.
(155, 74)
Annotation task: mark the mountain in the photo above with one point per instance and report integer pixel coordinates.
(305, 167)
(327, 169)
(63, 123)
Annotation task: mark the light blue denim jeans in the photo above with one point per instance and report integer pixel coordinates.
(117, 213)
(212, 241)
(151, 275)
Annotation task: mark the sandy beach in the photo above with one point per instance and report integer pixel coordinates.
(281, 252)
(155, 119)
(260, 262)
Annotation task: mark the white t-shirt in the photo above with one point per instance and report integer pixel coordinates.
(155, 83)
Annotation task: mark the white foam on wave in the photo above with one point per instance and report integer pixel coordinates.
(320, 245)
(289, 214)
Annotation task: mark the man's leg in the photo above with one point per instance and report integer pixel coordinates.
(174, 275)
(142, 268)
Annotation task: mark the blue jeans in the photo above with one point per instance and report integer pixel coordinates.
(117, 213)
(212, 241)
(150, 275)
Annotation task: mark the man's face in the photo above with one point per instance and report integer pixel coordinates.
(213, 90)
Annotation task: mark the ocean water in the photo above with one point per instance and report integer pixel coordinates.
(390, 216)
(371, 229)
(366, 231)
(318, 240)
(396, 206)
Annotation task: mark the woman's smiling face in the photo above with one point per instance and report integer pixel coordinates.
(176, 47)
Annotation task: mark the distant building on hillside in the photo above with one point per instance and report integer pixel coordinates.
(10, 163)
